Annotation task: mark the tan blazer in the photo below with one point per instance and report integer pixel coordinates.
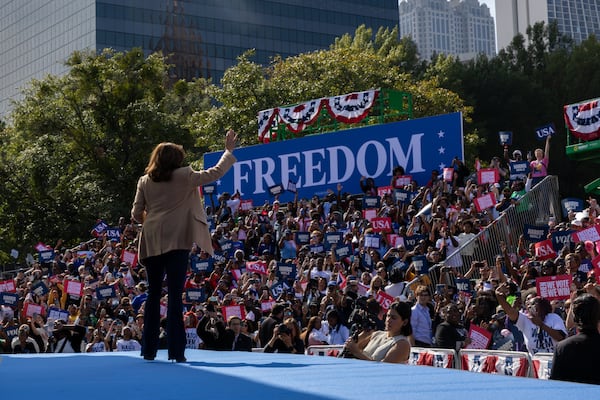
(174, 215)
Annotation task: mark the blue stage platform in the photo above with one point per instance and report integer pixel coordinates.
(228, 375)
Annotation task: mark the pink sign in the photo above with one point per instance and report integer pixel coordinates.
(267, 305)
(383, 190)
(544, 250)
(259, 267)
(448, 174)
(8, 286)
(592, 234)
(384, 300)
(488, 175)
(73, 288)
(554, 287)
(480, 337)
(370, 213)
(402, 181)
(30, 308)
(246, 205)
(484, 202)
(381, 224)
(233, 311)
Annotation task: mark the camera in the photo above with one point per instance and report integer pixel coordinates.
(282, 328)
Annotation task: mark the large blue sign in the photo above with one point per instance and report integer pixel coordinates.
(319, 162)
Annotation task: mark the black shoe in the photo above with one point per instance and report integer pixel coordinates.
(149, 357)
(181, 359)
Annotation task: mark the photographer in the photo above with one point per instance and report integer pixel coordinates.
(285, 339)
(66, 338)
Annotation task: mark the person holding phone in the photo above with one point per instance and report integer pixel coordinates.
(167, 203)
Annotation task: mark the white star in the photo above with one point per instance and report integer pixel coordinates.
(442, 166)
(441, 134)
(441, 150)
(218, 182)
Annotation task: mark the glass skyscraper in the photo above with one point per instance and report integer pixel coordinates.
(463, 28)
(203, 37)
(575, 18)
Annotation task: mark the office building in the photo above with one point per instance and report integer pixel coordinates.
(463, 28)
(575, 18)
(203, 36)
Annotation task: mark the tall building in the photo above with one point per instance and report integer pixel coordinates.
(463, 28)
(204, 37)
(575, 18)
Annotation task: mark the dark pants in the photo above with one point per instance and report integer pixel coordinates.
(174, 265)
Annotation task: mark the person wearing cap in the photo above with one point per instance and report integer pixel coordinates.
(167, 202)
(502, 338)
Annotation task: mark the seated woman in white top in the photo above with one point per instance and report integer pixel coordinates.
(391, 345)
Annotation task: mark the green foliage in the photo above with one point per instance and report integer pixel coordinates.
(79, 143)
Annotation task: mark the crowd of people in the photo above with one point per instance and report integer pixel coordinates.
(315, 271)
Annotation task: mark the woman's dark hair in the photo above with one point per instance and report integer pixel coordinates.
(404, 310)
(586, 311)
(165, 158)
(309, 327)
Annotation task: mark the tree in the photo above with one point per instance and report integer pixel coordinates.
(78, 143)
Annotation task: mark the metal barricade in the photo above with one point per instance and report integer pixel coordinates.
(535, 208)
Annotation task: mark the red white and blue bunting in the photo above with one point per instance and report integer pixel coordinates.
(348, 108)
(583, 119)
(351, 108)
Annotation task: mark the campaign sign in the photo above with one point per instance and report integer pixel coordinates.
(463, 285)
(592, 234)
(316, 162)
(404, 196)
(8, 286)
(571, 204)
(505, 138)
(484, 202)
(561, 239)
(39, 289)
(403, 180)
(544, 250)
(205, 265)
(518, 170)
(98, 229)
(373, 241)
(267, 305)
(276, 190)
(342, 251)
(46, 256)
(9, 299)
(113, 233)
(105, 292)
(543, 132)
(278, 288)
(395, 240)
(411, 241)
(195, 295)
(332, 238)
(317, 248)
(233, 311)
(246, 205)
(29, 309)
(129, 257)
(227, 248)
(302, 237)
(381, 224)
(369, 213)
(73, 288)
(209, 188)
(371, 202)
(488, 175)
(384, 300)
(291, 187)
(480, 337)
(219, 257)
(421, 264)
(286, 271)
(260, 267)
(55, 314)
(448, 174)
(383, 190)
(535, 233)
(554, 287)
